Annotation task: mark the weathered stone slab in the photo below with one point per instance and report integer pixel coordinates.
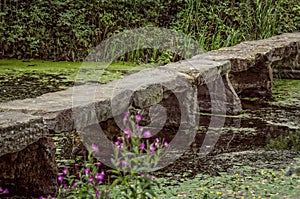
(56, 108)
(251, 61)
(18, 130)
(289, 65)
(212, 82)
(32, 171)
(27, 162)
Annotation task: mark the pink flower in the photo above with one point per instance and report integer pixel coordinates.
(138, 118)
(124, 163)
(91, 179)
(125, 116)
(97, 194)
(41, 197)
(119, 143)
(141, 174)
(152, 148)
(95, 148)
(156, 141)
(120, 146)
(127, 133)
(65, 171)
(60, 178)
(166, 144)
(120, 140)
(100, 177)
(5, 191)
(137, 126)
(87, 171)
(147, 134)
(150, 177)
(99, 164)
(1, 189)
(142, 146)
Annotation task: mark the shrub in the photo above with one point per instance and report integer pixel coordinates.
(68, 30)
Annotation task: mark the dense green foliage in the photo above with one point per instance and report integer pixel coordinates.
(68, 30)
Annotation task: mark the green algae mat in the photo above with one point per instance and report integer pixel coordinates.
(245, 183)
(286, 92)
(31, 78)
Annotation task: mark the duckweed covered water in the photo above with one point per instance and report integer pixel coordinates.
(20, 80)
(266, 138)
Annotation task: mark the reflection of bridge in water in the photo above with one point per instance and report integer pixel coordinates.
(210, 82)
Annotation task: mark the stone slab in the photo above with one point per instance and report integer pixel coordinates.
(252, 62)
(27, 156)
(18, 130)
(31, 171)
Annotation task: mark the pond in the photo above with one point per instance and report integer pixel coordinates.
(266, 135)
(20, 80)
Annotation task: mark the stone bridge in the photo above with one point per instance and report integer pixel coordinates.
(210, 82)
